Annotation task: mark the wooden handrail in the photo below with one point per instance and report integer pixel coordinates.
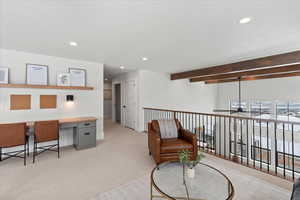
(223, 115)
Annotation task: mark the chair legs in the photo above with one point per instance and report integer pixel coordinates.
(58, 150)
(33, 153)
(14, 154)
(25, 153)
(42, 149)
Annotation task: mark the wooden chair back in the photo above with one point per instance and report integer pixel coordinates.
(45, 131)
(12, 135)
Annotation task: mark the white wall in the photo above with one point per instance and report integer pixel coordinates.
(282, 89)
(87, 103)
(107, 104)
(158, 91)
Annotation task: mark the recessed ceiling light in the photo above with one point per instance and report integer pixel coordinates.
(245, 20)
(74, 44)
(122, 67)
(144, 59)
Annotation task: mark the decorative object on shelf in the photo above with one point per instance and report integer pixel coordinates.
(184, 158)
(70, 98)
(4, 75)
(77, 77)
(63, 79)
(36, 74)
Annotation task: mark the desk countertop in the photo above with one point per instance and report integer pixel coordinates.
(70, 120)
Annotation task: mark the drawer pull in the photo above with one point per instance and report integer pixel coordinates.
(87, 124)
(86, 133)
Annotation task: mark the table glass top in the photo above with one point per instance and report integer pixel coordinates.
(208, 183)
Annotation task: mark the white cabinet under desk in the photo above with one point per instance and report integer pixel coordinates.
(84, 130)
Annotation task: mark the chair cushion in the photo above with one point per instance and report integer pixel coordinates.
(168, 128)
(174, 145)
(156, 128)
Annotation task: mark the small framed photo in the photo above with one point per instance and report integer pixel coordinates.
(78, 77)
(4, 75)
(63, 79)
(36, 74)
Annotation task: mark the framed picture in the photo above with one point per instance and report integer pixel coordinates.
(3, 75)
(78, 77)
(36, 74)
(63, 79)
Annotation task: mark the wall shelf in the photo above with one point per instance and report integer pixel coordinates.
(45, 87)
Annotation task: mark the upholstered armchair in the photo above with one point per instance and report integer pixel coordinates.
(164, 150)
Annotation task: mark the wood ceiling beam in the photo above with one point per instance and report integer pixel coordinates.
(275, 60)
(252, 78)
(289, 68)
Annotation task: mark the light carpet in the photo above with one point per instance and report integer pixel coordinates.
(246, 187)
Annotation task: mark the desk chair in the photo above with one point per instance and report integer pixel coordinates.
(13, 135)
(45, 131)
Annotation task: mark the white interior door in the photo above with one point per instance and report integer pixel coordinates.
(130, 104)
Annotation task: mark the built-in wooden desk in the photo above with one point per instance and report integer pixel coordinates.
(69, 120)
(84, 130)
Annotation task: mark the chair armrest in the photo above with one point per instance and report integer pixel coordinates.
(188, 136)
(192, 139)
(154, 142)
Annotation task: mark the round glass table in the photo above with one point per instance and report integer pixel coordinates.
(169, 181)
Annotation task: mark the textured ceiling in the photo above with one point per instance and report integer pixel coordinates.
(175, 35)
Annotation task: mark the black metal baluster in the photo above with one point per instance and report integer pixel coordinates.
(268, 156)
(224, 137)
(229, 129)
(203, 132)
(276, 153)
(260, 146)
(199, 130)
(283, 140)
(253, 149)
(241, 126)
(235, 138)
(211, 135)
(220, 129)
(215, 135)
(293, 153)
(193, 123)
(207, 146)
(247, 146)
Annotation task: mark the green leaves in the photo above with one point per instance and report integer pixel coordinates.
(184, 158)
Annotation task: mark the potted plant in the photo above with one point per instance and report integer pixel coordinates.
(184, 157)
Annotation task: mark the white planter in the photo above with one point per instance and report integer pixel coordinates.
(190, 172)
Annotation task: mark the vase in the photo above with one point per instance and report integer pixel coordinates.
(190, 172)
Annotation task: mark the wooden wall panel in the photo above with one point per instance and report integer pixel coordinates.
(20, 102)
(48, 101)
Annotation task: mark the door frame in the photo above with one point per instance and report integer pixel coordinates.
(114, 100)
(136, 102)
(123, 93)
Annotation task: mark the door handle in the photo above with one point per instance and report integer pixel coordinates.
(86, 133)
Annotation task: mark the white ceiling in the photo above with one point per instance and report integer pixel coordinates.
(175, 35)
(111, 71)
